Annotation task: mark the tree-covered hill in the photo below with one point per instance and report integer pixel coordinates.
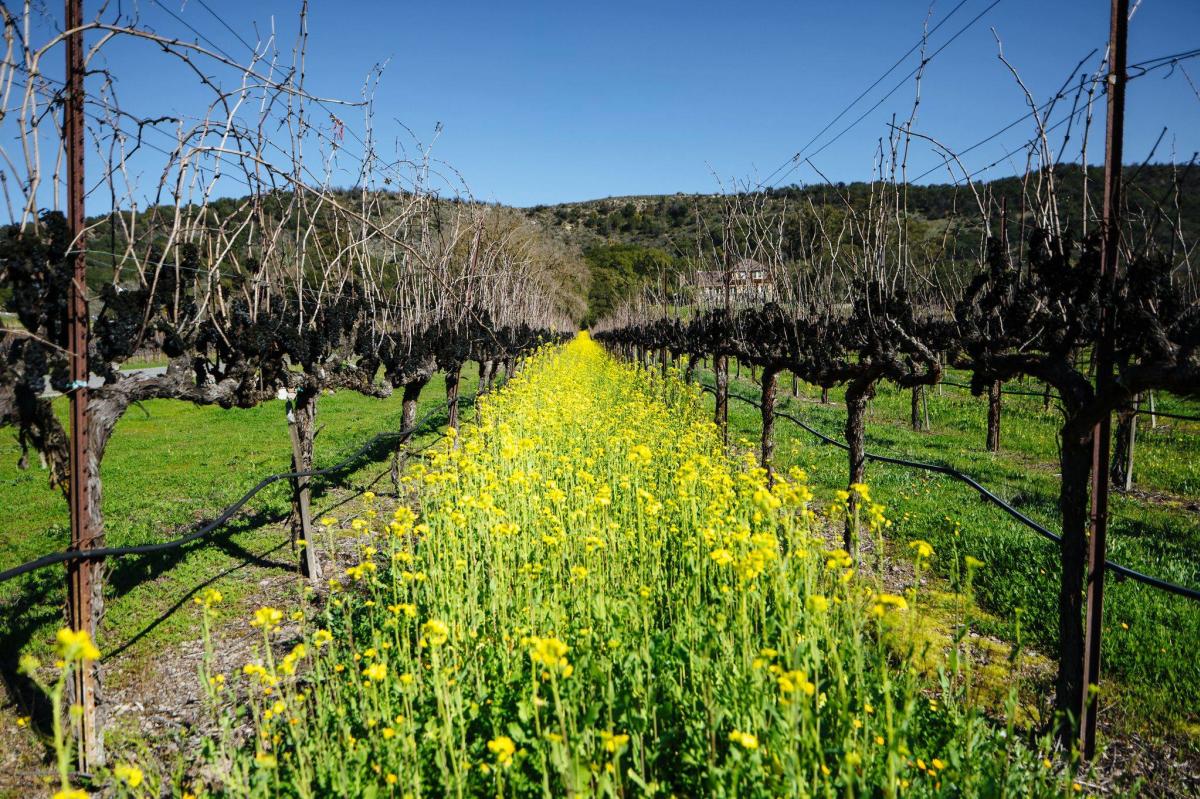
(629, 241)
(601, 251)
(555, 256)
(670, 221)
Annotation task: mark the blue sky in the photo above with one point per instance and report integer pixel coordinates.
(544, 102)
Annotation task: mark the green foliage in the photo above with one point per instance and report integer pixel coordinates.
(940, 215)
(619, 271)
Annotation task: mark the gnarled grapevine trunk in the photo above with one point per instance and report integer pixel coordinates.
(408, 421)
(690, 372)
(487, 369)
(104, 411)
(302, 419)
(1121, 470)
(993, 421)
(453, 380)
(721, 415)
(1076, 463)
(408, 407)
(103, 415)
(858, 394)
(769, 388)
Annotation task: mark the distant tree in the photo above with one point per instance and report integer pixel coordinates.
(619, 271)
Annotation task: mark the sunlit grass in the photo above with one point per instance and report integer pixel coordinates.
(169, 466)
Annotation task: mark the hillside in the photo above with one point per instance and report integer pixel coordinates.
(596, 253)
(628, 241)
(555, 257)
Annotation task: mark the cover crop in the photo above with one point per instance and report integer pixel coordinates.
(589, 596)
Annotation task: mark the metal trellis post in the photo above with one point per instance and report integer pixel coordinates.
(1110, 241)
(83, 576)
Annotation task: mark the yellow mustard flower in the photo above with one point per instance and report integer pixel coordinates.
(744, 739)
(129, 774)
(267, 618)
(436, 632)
(74, 645)
(503, 748)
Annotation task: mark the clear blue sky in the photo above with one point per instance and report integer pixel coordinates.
(544, 102)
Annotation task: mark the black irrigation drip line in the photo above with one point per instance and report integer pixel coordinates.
(1042, 395)
(1006, 391)
(225, 515)
(1180, 417)
(1122, 572)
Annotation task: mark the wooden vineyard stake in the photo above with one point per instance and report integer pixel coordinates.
(310, 565)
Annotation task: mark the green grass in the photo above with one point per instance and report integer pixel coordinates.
(1151, 674)
(169, 466)
(145, 363)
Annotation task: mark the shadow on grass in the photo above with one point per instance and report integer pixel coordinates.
(29, 612)
(24, 616)
(379, 451)
(236, 552)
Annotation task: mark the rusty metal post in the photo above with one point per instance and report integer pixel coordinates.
(1110, 242)
(83, 576)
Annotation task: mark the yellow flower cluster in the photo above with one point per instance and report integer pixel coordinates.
(744, 739)
(436, 632)
(503, 748)
(209, 598)
(75, 645)
(128, 774)
(550, 653)
(885, 602)
(267, 618)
